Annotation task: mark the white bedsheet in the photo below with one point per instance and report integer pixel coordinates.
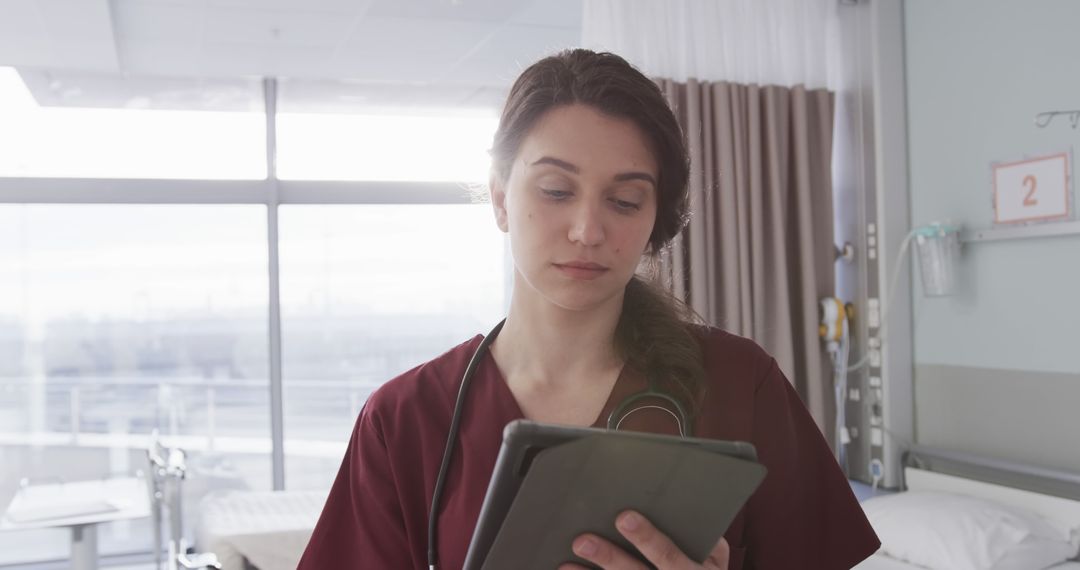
(883, 562)
(270, 529)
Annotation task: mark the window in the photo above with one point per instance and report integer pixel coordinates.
(453, 148)
(119, 319)
(339, 130)
(368, 292)
(116, 320)
(174, 142)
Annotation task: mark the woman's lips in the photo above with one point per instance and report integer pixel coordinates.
(577, 270)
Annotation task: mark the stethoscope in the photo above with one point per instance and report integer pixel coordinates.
(614, 421)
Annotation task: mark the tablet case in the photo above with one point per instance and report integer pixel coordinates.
(690, 492)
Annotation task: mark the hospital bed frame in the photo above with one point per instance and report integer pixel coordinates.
(925, 465)
(1052, 494)
(168, 469)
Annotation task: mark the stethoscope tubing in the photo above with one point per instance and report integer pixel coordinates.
(451, 440)
(614, 420)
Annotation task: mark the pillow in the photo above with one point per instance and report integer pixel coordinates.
(1035, 552)
(956, 532)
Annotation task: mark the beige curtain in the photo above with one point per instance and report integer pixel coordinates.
(758, 252)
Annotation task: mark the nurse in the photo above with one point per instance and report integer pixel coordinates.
(589, 179)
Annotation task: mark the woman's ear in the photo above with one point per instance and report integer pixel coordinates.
(498, 202)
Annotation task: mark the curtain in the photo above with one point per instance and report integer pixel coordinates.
(752, 82)
(762, 42)
(758, 251)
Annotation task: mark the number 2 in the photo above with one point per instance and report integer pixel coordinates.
(1029, 200)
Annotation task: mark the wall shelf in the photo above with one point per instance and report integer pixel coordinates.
(1021, 232)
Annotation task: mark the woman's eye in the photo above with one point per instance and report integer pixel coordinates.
(625, 205)
(557, 194)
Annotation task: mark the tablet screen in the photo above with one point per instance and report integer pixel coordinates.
(551, 483)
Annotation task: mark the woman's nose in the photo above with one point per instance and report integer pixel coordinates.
(587, 227)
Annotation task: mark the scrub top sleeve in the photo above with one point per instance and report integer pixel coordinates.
(361, 525)
(804, 514)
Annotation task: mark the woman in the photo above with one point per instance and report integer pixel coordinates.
(588, 179)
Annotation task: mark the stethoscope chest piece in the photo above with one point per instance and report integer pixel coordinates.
(653, 411)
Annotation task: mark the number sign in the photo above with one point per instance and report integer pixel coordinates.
(1033, 189)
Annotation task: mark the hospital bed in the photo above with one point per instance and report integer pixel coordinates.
(962, 512)
(957, 512)
(261, 530)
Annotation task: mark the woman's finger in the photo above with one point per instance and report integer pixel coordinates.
(719, 556)
(652, 543)
(604, 554)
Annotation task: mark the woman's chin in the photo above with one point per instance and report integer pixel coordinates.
(584, 301)
(571, 295)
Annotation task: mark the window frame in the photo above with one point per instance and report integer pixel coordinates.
(270, 192)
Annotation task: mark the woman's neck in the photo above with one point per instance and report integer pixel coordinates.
(543, 345)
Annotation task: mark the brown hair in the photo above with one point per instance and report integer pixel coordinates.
(653, 335)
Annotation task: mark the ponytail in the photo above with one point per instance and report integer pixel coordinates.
(655, 336)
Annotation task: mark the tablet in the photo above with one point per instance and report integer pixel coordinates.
(552, 483)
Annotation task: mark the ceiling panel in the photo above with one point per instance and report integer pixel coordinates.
(465, 10)
(305, 61)
(23, 40)
(404, 37)
(157, 21)
(226, 59)
(556, 13)
(20, 17)
(527, 43)
(491, 72)
(339, 6)
(81, 32)
(147, 57)
(412, 50)
(57, 33)
(75, 21)
(96, 56)
(379, 68)
(510, 50)
(275, 27)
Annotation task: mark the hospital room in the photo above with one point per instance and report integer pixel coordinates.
(747, 284)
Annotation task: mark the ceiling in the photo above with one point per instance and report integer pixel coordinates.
(329, 54)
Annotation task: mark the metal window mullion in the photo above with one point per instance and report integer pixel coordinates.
(374, 192)
(277, 410)
(210, 192)
(130, 191)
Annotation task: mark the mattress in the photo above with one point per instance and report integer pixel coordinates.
(268, 530)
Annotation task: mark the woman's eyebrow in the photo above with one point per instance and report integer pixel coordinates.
(636, 176)
(556, 162)
(576, 170)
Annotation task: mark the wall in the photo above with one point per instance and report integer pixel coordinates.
(997, 367)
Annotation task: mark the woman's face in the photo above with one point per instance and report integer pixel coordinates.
(579, 204)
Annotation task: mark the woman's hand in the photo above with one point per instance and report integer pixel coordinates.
(652, 543)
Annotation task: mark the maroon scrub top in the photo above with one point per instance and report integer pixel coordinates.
(803, 515)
